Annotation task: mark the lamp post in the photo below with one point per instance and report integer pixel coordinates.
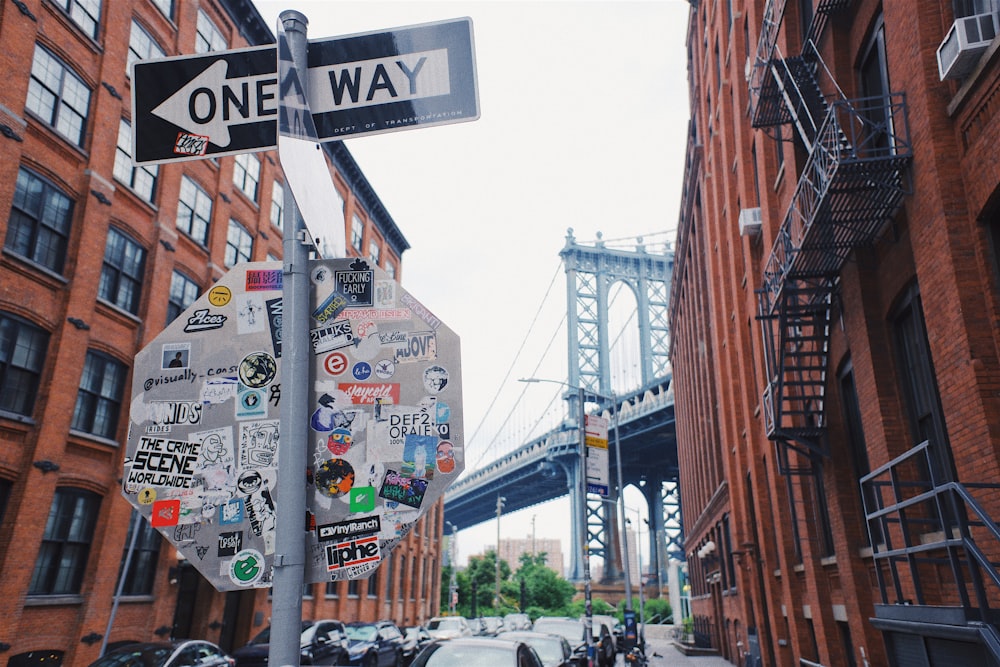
(582, 395)
(496, 596)
(452, 557)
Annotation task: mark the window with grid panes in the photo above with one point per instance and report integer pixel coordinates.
(194, 211)
(357, 232)
(246, 174)
(122, 271)
(84, 13)
(39, 221)
(239, 244)
(145, 554)
(165, 6)
(141, 46)
(208, 37)
(374, 252)
(57, 95)
(22, 356)
(277, 204)
(183, 292)
(141, 179)
(390, 269)
(98, 401)
(62, 556)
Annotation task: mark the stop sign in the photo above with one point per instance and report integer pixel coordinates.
(385, 441)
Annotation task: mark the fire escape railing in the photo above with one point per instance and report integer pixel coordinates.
(937, 532)
(851, 185)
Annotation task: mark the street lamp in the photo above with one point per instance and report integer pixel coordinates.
(582, 395)
(496, 597)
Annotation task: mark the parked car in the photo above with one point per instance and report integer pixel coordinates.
(517, 622)
(573, 630)
(179, 653)
(322, 642)
(466, 651)
(415, 637)
(446, 627)
(490, 625)
(378, 644)
(553, 649)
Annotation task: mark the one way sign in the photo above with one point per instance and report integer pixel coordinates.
(227, 102)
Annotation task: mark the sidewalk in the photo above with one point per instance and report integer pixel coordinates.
(661, 652)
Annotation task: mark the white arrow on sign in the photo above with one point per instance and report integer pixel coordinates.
(210, 103)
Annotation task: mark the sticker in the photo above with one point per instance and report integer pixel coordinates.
(230, 543)
(362, 499)
(219, 295)
(176, 355)
(362, 371)
(352, 553)
(329, 415)
(345, 530)
(411, 302)
(371, 394)
(247, 567)
(147, 496)
(204, 320)
(163, 462)
(274, 311)
(231, 512)
(250, 316)
(384, 369)
(435, 379)
(263, 279)
(165, 513)
(385, 293)
(418, 455)
(249, 482)
(339, 441)
(257, 369)
(334, 478)
(258, 446)
(406, 490)
(418, 346)
(357, 285)
(218, 390)
(335, 363)
(252, 403)
(332, 336)
(445, 457)
(331, 306)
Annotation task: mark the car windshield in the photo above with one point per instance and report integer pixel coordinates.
(361, 633)
(445, 624)
(136, 656)
(571, 630)
(549, 649)
(448, 654)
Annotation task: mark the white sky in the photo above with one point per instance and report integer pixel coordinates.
(583, 124)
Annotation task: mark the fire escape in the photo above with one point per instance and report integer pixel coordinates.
(850, 187)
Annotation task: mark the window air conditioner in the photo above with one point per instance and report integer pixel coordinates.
(965, 42)
(749, 221)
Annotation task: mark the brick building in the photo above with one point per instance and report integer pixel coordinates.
(98, 256)
(511, 549)
(835, 311)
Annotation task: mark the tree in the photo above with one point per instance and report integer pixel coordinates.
(544, 587)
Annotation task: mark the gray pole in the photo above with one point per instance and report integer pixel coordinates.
(588, 617)
(289, 560)
(621, 506)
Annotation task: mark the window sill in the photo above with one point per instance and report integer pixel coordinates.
(93, 438)
(52, 600)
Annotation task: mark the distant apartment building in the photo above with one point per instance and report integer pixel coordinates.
(512, 548)
(834, 330)
(98, 256)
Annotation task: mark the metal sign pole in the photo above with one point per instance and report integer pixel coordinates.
(588, 609)
(290, 540)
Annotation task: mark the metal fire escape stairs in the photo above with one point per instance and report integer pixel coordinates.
(851, 185)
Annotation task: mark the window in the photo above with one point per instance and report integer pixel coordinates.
(332, 590)
(142, 179)
(389, 562)
(22, 355)
(857, 448)
(62, 557)
(121, 275)
(372, 585)
(5, 485)
(390, 268)
(183, 292)
(98, 401)
(194, 211)
(209, 37)
(277, 204)
(873, 75)
(57, 95)
(145, 553)
(402, 575)
(374, 251)
(165, 6)
(84, 13)
(352, 588)
(246, 174)
(141, 46)
(39, 221)
(239, 244)
(357, 232)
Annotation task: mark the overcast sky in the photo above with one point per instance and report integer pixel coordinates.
(583, 124)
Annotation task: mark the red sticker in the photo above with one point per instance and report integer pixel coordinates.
(165, 513)
(335, 363)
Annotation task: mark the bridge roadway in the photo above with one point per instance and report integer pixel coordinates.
(543, 469)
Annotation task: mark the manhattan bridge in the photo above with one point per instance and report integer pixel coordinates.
(617, 351)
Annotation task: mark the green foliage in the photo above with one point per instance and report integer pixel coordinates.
(655, 610)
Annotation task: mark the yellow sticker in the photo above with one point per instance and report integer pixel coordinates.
(219, 295)
(147, 496)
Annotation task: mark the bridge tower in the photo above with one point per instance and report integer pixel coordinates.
(591, 272)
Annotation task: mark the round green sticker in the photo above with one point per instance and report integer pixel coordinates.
(247, 567)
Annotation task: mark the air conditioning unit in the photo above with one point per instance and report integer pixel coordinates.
(965, 42)
(749, 221)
